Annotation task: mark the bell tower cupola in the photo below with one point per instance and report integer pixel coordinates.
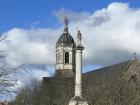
(65, 53)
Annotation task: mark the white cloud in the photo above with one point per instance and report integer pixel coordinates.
(30, 46)
(36, 71)
(109, 36)
(73, 16)
(26, 73)
(18, 85)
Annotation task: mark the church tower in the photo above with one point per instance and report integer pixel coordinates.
(65, 54)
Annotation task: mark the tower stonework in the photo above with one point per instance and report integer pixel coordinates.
(65, 54)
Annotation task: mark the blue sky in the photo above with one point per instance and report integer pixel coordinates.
(25, 13)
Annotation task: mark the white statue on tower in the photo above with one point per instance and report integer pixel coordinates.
(79, 38)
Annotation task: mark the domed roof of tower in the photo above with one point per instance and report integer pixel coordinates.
(65, 39)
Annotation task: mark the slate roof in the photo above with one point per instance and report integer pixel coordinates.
(109, 71)
(65, 40)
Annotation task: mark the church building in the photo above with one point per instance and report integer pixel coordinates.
(70, 87)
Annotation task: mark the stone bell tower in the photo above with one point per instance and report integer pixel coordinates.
(65, 54)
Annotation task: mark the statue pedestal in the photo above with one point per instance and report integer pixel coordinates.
(78, 101)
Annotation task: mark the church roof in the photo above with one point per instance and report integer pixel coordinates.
(109, 72)
(65, 40)
(121, 70)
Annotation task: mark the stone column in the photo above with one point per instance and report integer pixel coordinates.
(78, 77)
(78, 99)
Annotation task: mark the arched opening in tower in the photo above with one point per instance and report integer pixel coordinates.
(66, 57)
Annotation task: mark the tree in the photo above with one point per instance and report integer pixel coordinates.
(5, 71)
(28, 93)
